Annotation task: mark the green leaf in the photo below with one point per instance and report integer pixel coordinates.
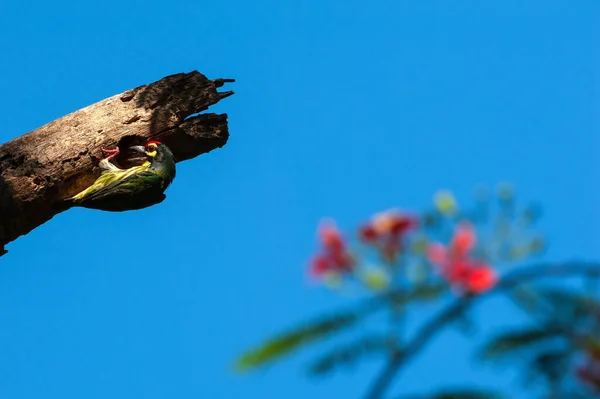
(427, 292)
(570, 304)
(527, 298)
(348, 355)
(419, 293)
(553, 364)
(513, 342)
(283, 344)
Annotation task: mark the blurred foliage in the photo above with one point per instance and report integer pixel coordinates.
(286, 343)
(513, 343)
(419, 293)
(567, 329)
(405, 263)
(569, 305)
(548, 365)
(349, 354)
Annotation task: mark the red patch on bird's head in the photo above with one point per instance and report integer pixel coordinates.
(155, 142)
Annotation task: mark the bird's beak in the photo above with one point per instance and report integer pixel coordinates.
(139, 148)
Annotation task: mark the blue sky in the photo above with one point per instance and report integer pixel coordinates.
(342, 109)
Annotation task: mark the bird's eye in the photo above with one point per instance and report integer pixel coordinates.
(152, 148)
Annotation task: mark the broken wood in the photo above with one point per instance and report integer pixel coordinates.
(58, 160)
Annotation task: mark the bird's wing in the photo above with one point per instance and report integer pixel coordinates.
(126, 182)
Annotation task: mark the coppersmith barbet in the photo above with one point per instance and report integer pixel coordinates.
(138, 187)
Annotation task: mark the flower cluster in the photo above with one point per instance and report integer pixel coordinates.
(456, 264)
(386, 231)
(334, 256)
(442, 242)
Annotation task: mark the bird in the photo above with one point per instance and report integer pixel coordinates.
(138, 187)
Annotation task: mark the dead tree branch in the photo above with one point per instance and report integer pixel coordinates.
(59, 159)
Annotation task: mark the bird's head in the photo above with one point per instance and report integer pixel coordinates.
(160, 159)
(151, 148)
(155, 151)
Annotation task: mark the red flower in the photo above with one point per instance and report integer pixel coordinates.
(334, 256)
(464, 240)
(386, 231)
(474, 277)
(458, 267)
(331, 238)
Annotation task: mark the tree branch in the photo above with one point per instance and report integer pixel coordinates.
(60, 159)
(448, 314)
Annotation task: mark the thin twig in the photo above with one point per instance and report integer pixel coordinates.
(436, 324)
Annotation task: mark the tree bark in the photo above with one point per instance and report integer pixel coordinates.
(58, 160)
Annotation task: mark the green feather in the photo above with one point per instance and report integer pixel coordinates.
(134, 188)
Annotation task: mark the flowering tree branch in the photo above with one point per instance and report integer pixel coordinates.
(405, 259)
(436, 324)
